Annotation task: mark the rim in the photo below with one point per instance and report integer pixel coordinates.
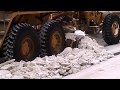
(115, 29)
(56, 41)
(27, 47)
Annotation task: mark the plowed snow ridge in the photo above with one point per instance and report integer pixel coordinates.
(51, 67)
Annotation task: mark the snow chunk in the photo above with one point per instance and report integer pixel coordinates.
(5, 74)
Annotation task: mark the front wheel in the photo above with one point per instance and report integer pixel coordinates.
(111, 29)
(22, 43)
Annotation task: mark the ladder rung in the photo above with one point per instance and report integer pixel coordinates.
(94, 26)
(2, 32)
(6, 20)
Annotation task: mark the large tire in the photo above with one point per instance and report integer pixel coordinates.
(22, 43)
(52, 38)
(111, 30)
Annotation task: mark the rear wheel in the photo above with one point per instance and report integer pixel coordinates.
(111, 29)
(52, 38)
(22, 43)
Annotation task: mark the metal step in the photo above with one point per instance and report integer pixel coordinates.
(94, 26)
(2, 33)
(4, 20)
(5, 16)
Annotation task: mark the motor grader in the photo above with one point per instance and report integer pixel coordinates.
(24, 35)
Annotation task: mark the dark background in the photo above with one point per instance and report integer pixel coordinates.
(61, 5)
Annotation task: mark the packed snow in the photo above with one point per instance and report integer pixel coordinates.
(99, 38)
(109, 69)
(88, 52)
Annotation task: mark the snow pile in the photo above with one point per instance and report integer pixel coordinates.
(72, 39)
(74, 36)
(93, 51)
(55, 67)
(99, 38)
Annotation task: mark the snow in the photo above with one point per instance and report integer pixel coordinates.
(105, 70)
(70, 61)
(98, 37)
(113, 48)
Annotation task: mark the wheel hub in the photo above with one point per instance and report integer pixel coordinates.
(115, 29)
(26, 47)
(56, 41)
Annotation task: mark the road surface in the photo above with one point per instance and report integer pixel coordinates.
(109, 69)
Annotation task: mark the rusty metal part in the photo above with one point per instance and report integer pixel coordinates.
(56, 41)
(27, 47)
